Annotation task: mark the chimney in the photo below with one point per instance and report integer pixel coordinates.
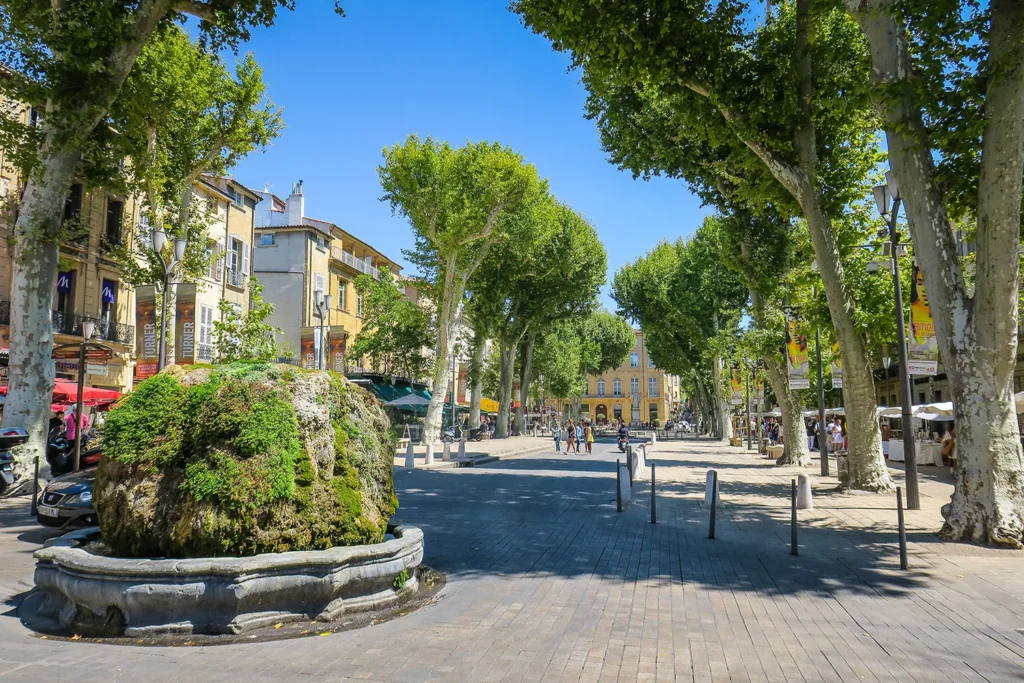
(296, 205)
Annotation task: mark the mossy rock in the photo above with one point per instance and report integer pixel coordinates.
(242, 459)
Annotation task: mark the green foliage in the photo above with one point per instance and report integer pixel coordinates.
(246, 335)
(395, 329)
(401, 579)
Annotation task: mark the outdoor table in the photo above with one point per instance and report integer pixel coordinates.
(928, 452)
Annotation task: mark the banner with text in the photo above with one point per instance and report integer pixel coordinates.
(308, 351)
(923, 356)
(185, 325)
(837, 367)
(736, 385)
(796, 353)
(337, 351)
(147, 354)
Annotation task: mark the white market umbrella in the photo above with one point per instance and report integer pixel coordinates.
(409, 400)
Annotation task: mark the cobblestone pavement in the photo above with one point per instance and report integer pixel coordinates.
(548, 582)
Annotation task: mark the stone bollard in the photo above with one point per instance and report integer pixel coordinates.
(627, 490)
(654, 437)
(446, 454)
(429, 459)
(462, 448)
(410, 456)
(707, 487)
(803, 493)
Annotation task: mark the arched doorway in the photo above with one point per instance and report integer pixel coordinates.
(601, 413)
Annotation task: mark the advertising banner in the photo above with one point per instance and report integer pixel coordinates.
(923, 351)
(837, 367)
(757, 390)
(796, 354)
(146, 347)
(185, 325)
(337, 351)
(736, 384)
(308, 351)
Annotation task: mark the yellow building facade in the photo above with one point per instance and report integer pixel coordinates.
(636, 391)
(300, 261)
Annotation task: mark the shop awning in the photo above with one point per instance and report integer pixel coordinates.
(65, 391)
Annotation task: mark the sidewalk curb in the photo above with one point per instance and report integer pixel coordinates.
(473, 461)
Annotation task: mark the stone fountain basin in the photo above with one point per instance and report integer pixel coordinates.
(94, 595)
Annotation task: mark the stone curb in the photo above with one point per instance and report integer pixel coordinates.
(473, 461)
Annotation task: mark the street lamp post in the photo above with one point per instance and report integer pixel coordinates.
(883, 195)
(323, 305)
(180, 245)
(823, 452)
(748, 407)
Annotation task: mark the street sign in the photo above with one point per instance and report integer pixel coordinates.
(66, 352)
(100, 370)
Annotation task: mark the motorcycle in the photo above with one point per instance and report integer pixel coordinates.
(623, 443)
(60, 453)
(451, 435)
(9, 438)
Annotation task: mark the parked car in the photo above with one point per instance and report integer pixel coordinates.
(67, 500)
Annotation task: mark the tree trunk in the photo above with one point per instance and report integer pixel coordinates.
(977, 337)
(794, 437)
(451, 299)
(507, 363)
(476, 372)
(36, 254)
(722, 424)
(525, 371)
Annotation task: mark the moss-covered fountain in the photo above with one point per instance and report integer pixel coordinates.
(231, 497)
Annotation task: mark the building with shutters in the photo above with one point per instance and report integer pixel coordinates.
(298, 259)
(636, 391)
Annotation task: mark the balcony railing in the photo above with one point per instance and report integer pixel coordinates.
(339, 254)
(105, 330)
(236, 279)
(204, 352)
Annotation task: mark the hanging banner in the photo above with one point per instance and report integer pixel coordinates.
(185, 325)
(308, 351)
(757, 390)
(337, 351)
(736, 385)
(923, 351)
(796, 354)
(146, 352)
(837, 367)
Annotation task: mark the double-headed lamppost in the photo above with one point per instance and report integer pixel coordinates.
(180, 245)
(886, 195)
(323, 306)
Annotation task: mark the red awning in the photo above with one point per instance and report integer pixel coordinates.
(66, 391)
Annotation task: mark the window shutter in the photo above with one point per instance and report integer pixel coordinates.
(245, 258)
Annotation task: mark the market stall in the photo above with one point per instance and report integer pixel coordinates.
(927, 443)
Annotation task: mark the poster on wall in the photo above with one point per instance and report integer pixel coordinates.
(185, 325)
(923, 356)
(308, 351)
(736, 384)
(146, 352)
(796, 354)
(337, 351)
(837, 367)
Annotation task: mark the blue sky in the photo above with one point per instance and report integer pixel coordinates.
(456, 70)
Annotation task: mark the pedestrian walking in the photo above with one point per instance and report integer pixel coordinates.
(589, 436)
(579, 435)
(570, 438)
(558, 437)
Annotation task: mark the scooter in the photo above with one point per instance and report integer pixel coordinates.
(60, 453)
(9, 438)
(623, 443)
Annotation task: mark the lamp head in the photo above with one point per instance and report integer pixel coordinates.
(890, 182)
(328, 301)
(180, 245)
(318, 297)
(872, 267)
(88, 327)
(886, 362)
(882, 199)
(159, 240)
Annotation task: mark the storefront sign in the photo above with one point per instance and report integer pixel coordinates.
(837, 367)
(64, 281)
(923, 356)
(796, 353)
(98, 370)
(185, 325)
(109, 291)
(146, 351)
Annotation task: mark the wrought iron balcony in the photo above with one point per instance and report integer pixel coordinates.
(5, 312)
(105, 330)
(236, 279)
(351, 261)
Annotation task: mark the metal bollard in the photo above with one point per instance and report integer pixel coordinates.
(654, 514)
(794, 549)
(618, 485)
(903, 529)
(35, 488)
(714, 501)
